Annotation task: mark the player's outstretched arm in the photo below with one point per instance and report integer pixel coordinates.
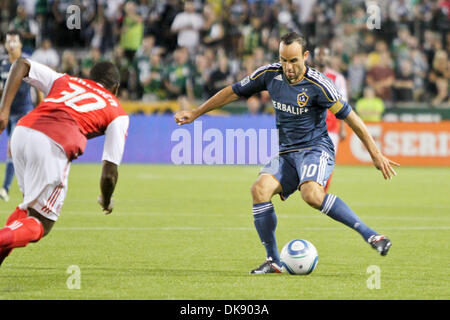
(379, 160)
(108, 183)
(221, 98)
(19, 70)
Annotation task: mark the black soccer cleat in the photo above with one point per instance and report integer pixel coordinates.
(267, 267)
(3, 254)
(380, 243)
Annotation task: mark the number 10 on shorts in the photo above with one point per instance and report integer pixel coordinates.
(308, 171)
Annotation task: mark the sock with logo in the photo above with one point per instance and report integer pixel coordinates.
(337, 209)
(21, 232)
(16, 215)
(265, 223)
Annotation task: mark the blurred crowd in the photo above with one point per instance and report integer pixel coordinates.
(397, 51)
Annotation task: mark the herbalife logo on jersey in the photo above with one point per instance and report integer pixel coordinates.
(223, 146)
(301, 100)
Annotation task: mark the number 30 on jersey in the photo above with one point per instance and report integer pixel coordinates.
(79, 99)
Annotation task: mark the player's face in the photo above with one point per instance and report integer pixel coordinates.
(12, 43)
(292, 59)
(321, 57)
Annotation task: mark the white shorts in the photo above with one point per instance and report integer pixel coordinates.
(42, 168)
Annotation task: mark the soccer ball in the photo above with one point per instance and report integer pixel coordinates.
(299, 257)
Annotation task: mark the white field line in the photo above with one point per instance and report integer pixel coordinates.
(353, 204)
(298, 216)
(293, 215)
(175, 228)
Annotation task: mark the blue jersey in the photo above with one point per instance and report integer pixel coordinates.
(22, 102)
(300, 109)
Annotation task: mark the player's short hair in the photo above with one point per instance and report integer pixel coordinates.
(292, 37)
(105, 73)
(14, 32)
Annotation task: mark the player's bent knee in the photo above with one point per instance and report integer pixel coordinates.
(312, 201)
(259, 194)
(313, 194)
(265, 188)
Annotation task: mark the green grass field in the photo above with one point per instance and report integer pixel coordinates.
(186, 232)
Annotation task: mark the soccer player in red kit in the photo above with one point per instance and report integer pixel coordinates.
(50, 137)
(335, 127)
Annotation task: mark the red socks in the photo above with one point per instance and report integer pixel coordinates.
(16, 215)
(20, 230)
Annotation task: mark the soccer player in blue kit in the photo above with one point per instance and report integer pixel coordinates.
(301, 97)
(21, 105)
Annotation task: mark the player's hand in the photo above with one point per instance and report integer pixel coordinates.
(107, 209)
(385, 166)
(183, 117)
(3, 122)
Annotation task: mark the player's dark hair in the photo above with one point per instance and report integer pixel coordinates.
(105, 73)
(292, 37)
(14, 32)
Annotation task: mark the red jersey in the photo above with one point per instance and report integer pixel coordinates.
(74, 110)
(333, 123)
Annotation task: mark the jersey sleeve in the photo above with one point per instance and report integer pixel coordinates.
(41, 77)
(341, 85)
(251, 84)
(115, 136)
(331, 98)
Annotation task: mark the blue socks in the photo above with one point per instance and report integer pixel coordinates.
(9, 174)
(339, 211)
(266, 222)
